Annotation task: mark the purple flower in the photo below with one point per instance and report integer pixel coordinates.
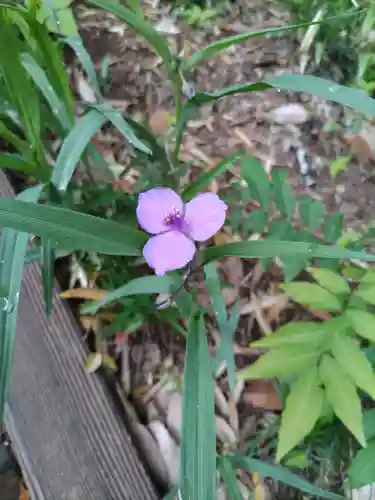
(176, 226)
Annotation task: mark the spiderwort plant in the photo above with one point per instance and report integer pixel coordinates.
(177, 226)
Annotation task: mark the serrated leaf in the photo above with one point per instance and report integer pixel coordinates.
(306, 333)
(332, 227)
(303, 407)
(312, 295)
(284, 200)
(311, 212)
(252, 171)
(330, 280)
(342, 395)
(281, 362)
(282, 474)
(348, 354)
(362, 468)
(363, 323)
(198, 441)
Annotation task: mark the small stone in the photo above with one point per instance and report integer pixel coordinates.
(289, 114)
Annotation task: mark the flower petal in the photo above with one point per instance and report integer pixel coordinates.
(204, 216)
(168, 251)
(154, 206)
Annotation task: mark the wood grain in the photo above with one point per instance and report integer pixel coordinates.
(67, 435)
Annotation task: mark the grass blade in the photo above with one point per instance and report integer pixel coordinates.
(274, 248)
(42, 82)
(229, 477)
(198, 443)
(12, 255)
(281, 474)
(47, 259)
(227, 328)
(19, 163)
(71, 230)
(144, 285)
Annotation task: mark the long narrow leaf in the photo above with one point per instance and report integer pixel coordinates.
(19, 163)
(141, 26)
(198, 443)
(71, 230)
(216, 47)
(281, 474)
(139, 286)
(47, 263)
(268, 248)
(12, 251)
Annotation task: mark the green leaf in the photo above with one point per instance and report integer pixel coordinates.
(225, 43)
(292, 267)
(273, 248)
(71, 230)
(253, 173)
(281, 362)
(58, 17)
(42, 82)
(312, 295)
(284, 200)
(84, 57)
(139, 286)
(362, 468)
(256, 221)
(369, 423)
(20, 164)
(363, 323)
(116, 118)
(198, 440)
(78, 139)
(304, 333)
(74, 146)
(47, 263)
(226, 328)
(278, 473)
(13, 247)
(229, 477)
(204, 179)
(348, 354)
(331, 281)
(332, 227)
(303, 408)
(206, 97)
(342, 395)
(367, 293)
(347, 96)
(339, 165)
(143, 28)
(311, 212)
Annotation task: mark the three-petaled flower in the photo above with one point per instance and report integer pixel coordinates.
(177, 226)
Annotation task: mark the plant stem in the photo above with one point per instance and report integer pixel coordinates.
(178, 113)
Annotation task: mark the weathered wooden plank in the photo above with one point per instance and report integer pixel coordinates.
(67, 436)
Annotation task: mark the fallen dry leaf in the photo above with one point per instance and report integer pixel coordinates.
(159, 121)
(84, 293)
(24, 494)
(289, 114)
(262, 394)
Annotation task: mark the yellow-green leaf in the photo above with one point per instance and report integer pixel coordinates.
(367, 293)
(330, 280)
(342, 395)
(313, 295)
(348, 354)
(363, 323)
(299, 332)
(303, 407)
(280, 362)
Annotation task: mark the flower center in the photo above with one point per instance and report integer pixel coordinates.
(175, 219)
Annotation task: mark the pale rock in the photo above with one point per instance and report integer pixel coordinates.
(174, 413)
(169, 450)
(289, 114)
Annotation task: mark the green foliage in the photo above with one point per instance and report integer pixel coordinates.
(323, 363)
